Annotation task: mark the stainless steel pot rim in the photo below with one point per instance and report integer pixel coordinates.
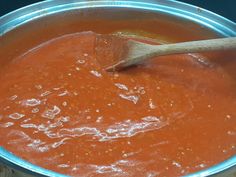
(9, 159)
(16, 18)
(17, 163)
(201, 16)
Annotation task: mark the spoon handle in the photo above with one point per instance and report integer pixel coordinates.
(139, 52)
(195, 46)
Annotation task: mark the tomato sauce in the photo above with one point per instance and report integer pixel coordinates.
(170, 116)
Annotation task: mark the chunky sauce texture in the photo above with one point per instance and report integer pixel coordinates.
(168, 117)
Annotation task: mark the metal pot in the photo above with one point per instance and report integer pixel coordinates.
(33, 20)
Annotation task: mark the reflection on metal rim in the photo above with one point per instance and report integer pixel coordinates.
(16, 18)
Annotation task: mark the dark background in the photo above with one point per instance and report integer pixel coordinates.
(226, 8)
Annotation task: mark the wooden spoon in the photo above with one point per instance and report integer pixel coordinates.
(117, 53)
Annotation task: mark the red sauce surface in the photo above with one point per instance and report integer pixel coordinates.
(169, 117)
